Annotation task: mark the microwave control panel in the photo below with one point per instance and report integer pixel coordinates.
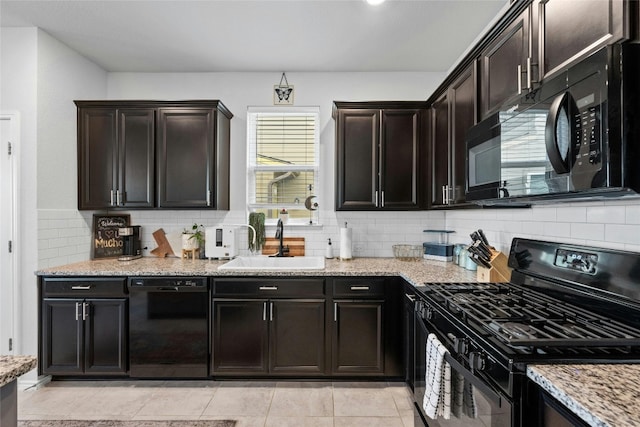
(588, 149)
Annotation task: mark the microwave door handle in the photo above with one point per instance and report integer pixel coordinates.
(559, 164)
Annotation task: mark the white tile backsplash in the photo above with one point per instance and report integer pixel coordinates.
(64, 236)
(610, 224)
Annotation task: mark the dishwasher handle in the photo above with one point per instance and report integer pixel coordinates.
(167, 288)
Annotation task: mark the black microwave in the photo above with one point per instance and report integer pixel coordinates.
(576, 136)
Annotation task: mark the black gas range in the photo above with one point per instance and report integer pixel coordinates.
(564, 304)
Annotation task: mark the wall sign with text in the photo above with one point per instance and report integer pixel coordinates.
(107, 242)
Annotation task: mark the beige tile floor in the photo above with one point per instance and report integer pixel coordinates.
(252, 404)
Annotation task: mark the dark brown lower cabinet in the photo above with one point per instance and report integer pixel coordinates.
(279, 337)
(358, 345)
(84, 336)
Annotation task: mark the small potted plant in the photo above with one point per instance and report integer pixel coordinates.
(283, 215)
(193, 238)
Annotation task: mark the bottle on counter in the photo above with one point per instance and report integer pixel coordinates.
(329, 251)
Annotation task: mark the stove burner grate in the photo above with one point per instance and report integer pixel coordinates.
(522, 317)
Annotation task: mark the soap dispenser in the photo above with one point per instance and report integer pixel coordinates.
(329, 252)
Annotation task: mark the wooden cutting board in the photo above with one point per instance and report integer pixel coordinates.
(295, 244)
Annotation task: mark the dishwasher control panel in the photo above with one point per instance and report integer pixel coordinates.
(181, 282)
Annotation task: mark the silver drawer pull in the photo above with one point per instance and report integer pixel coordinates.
(359, 288)
(81, 288)
(268, 288)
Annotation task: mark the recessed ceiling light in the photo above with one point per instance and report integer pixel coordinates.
(375, 2)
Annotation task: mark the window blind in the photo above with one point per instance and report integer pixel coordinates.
(283, 160)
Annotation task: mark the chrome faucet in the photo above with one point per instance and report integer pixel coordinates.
(282, 251)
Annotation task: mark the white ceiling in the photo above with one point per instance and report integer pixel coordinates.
(260, 35)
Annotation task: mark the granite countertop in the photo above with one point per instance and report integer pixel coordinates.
(416, 272)
(602, 395)
(11, 367)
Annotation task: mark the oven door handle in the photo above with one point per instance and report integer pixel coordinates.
(484, 389)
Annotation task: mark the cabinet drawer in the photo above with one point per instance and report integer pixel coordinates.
(83, 287)
(358, 287)
(269, 287)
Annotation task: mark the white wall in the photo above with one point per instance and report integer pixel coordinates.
(18, 92)
(63, 76)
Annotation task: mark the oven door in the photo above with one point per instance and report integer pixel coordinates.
(491, 408)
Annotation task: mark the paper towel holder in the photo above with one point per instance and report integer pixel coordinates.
(345, 243)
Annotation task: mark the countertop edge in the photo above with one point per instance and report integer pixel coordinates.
(11, 367)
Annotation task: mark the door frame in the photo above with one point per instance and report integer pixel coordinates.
(11, 260)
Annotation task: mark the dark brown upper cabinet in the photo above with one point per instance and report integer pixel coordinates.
(568, 30)
(153, 154)
(506, 66)
(452, 114)
(191, 143)
(380, 159)
(115, 157)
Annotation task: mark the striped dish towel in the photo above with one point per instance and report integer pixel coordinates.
(437, 395)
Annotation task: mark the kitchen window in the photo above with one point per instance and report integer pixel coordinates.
(283, 163)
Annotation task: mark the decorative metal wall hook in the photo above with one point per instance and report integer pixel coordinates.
(283, 92)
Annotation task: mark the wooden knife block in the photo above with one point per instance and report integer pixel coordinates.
(499, 271)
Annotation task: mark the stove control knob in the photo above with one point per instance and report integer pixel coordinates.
(428, 312)
(461, 345)
(478, 361)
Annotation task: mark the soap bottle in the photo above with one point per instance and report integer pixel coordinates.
(329, 251)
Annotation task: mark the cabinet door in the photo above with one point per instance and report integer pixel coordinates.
(571, 29)
(240, 334)
(97, 158)
(105, 336)
(358, 338)
(358, 137)
(399, 158)
(136, 145)
(297, 337)
(462, 94)
(504, 65)
(61, 336)
(439, 150)
(186, 138)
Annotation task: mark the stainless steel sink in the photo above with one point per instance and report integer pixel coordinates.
(274, 263)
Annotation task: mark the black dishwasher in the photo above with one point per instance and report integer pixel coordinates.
(168, 327)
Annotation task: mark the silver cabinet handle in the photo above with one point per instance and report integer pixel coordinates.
(359, 288)
(111, 198)
(383, 198)
(118, 197)
(264, 310)
(268, 288)
(208, 197)
(519, 70)
(335, 311)
(84, 310)
(529, 73)
(376, 198)
(77, 304)
(81, 287)
(271, 312)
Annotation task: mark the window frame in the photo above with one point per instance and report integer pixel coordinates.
(253, 168)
